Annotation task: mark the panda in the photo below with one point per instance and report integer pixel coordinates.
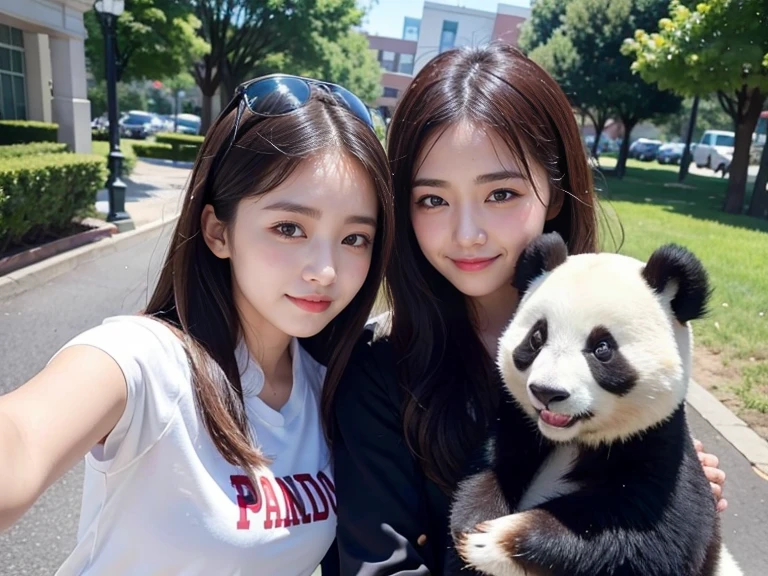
(590, 469)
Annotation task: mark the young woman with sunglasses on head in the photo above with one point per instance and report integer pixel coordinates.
(486, 155)
(200, 418)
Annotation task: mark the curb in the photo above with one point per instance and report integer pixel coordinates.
(95, 230)
(34, 275)
(731, 427)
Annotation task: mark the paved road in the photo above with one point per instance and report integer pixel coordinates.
(35, 324)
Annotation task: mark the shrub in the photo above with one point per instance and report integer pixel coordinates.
(23, 131)
(99, 135)
(176, 153)
(44, 192)
(179, 139)
(31, 149)
(185, 146)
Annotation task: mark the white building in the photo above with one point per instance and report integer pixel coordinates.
(444, 27)
(42, 66)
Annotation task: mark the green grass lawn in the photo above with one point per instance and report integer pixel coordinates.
(654, 209)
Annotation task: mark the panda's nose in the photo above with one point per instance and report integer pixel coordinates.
(548, 394)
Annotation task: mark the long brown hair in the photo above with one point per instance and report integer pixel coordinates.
(194, 291)
(450, 381)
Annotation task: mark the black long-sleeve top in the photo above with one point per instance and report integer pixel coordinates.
(391, 518)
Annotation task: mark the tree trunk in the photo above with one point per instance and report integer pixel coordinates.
(207, 79)
(621, 165)
(599, 127)
(685, 160)
(599, 119)
(748, 115)
(206, 116)
(759, 205)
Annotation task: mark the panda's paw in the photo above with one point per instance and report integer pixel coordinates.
(490, 549)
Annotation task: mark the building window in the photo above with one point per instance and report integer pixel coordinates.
(406, 64)
(387, 60)
(411, 28)
(13, 97)
(390, 92)
(448, 35)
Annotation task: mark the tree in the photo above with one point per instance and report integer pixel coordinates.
(546, 17)
(584, 55)
(720, 46)
(248, 36)
(597, 29)
(155, 39)
(759, 205)
(349, 62)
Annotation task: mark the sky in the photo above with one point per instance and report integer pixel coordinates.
(385, 17)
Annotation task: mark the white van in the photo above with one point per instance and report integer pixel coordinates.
(715, 150)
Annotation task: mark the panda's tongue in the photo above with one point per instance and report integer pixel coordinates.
(554, 419)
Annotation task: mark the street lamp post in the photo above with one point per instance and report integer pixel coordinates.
(107, 12)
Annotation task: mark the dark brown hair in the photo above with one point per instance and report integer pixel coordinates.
(194, 291)
(451, 383)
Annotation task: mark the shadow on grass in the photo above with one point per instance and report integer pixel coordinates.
(698, 196)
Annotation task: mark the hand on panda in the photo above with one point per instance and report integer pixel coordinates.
(713, 473)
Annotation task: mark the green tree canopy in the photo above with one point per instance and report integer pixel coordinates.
(155, 39)
(584, 55)
(546, 17)
(250, 36)
(718, 46)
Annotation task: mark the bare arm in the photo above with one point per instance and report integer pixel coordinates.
(49, 423)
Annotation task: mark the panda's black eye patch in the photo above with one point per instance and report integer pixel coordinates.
(609, 367)
(529, 348)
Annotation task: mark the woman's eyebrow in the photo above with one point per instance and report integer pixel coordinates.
(500, 175)
(481, 179)
(285, 206)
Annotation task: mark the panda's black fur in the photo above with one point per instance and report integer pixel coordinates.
(641, 507)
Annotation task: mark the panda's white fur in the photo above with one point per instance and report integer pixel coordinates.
(607, 483)
(612, 293)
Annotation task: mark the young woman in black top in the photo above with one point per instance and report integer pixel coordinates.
(485, 155)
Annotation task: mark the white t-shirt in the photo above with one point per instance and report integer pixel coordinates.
(158, 498)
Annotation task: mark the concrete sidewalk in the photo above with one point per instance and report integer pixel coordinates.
(154, 192)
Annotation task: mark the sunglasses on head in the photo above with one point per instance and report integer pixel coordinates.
(280, 94)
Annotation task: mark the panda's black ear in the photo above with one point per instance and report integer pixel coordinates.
(543, 254)
(673, 263)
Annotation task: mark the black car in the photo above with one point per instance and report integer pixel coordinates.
(670, 153)
(644, 149)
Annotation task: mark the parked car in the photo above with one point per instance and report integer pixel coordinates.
(715, 150)
(644, 149)
(139, 124)
(670, 153)
(187, 124)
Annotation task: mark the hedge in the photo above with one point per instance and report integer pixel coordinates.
(31, 149)
(166, 152)
(179, 139)
(23, 131)
(185, 146)
(45, 192)
(99, 135)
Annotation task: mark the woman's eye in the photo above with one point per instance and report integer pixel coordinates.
(501, 195)
(431, 201)
(356, 240)
(289, 230)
